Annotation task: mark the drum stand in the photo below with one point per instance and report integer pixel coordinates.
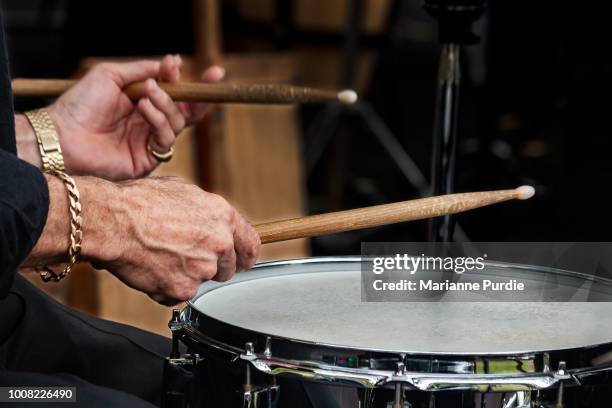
(321, 131)
(455, 18)
(330, 120)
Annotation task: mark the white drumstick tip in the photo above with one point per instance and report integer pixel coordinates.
(348, 96)
(525, 192)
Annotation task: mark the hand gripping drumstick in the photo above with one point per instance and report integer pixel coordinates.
(197, 92)
(385, 214)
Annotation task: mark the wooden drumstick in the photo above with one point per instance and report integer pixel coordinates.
(385, 214)
(198, 92)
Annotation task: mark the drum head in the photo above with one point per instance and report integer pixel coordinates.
(319, 301)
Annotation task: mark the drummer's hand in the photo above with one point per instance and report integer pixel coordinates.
(172, 236)
(103, 133)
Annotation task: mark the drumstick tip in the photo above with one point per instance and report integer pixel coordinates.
(525, 192)
(348, 96)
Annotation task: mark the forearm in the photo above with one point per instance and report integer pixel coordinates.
(99, 223)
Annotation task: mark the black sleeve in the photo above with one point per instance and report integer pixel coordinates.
(24, 197)
(7, 119)
(24, 203)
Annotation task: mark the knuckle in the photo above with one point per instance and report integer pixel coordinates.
(224, 209)
(185, 292)
(167, 59)
(151, 89)
(208, 273)
(158, 120)
(224, 245)
(253, 247)
(229, 214)
(218, 200)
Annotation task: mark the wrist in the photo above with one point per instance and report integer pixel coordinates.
(101, 213)
(27, 145)
(63, 136)
(100, 223)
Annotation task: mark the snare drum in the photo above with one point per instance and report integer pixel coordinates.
(303, 320)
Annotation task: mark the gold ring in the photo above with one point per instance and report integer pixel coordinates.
(162, 157)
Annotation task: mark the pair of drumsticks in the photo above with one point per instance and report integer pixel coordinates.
(286, 94)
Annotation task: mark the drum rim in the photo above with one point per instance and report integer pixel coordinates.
(343, 259)
(355, 258)
(456, 363)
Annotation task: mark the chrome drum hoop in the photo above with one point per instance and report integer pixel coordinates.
(280, 356)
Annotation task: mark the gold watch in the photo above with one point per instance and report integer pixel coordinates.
(48, 142)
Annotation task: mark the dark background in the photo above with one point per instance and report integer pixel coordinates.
(535, 106)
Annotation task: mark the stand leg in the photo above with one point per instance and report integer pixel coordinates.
(445, 136)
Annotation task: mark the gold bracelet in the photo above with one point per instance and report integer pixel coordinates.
(48, 141)
(76, 232)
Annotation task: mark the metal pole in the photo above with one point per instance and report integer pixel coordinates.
(445, 136)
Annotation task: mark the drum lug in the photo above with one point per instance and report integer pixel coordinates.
(249, 349)
(546, 362)
(257, 396)
(249, 352)
(561, 374)
(400, 372)
(175, 324)
(268, 350)
(399, 375)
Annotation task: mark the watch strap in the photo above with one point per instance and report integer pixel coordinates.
(47, 138)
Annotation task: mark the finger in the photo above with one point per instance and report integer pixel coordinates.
(194, 112)
(246, 243)
(162, 101)
(226, 266)
(213, 74)
(162, 136)
(170, 68)
(125, 73)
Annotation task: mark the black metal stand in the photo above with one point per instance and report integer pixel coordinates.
(326, 123)
(455, 18)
